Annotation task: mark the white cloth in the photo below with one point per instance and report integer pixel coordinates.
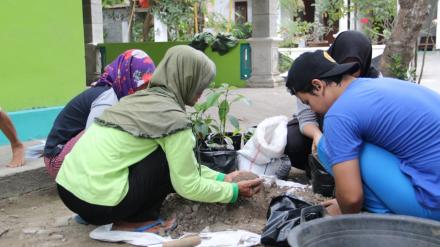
(238, 238)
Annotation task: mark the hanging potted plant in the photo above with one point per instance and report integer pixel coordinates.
(216, 147)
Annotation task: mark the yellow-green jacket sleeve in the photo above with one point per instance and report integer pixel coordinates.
(185, 176)
(211, 174)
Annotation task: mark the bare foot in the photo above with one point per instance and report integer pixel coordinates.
(17, 156)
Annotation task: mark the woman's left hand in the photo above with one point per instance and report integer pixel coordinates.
(230, 177)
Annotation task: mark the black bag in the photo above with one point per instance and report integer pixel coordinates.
(322, 182)
(219, 160)
(285, 212)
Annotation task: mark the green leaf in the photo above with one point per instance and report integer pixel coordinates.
(223, 110)
(236, 132)
(229, 142)
(234, 121)
(215, 128)
(212, 99)
(240, 97)
(204, 129)
(198, 107)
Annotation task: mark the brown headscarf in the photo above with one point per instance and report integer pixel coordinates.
(159, 110)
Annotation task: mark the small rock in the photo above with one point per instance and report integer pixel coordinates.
(195, 207)
(228, 222)
(211, 219)
(12, 200)
(56, 236)
(187, 209)
(34, 208)
(2, 209)
(3, 230)
(62, 221)
(30, 230)
(14, 216)
(206, 229)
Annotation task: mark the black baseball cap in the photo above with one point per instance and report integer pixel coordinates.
(315, 65)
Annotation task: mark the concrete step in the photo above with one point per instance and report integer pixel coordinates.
(20, 180)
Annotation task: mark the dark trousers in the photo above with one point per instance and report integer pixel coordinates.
(149, 184)
(298, 146)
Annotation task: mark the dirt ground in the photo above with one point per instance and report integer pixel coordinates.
(41, 219)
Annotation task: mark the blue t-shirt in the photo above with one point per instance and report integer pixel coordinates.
(399, 116)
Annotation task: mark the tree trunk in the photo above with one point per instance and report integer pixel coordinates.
(146, 27)
(411, 16)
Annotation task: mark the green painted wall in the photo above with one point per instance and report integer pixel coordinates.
(42, 53)
(228, 65)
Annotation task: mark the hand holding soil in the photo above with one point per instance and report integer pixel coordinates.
(249, 188)
(238, 176)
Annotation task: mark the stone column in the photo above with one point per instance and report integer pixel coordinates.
(437, 35)
(264, 44)
(93, 35)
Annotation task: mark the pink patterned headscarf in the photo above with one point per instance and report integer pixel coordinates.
(129, 71)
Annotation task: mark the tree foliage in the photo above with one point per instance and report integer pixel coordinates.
(378, 14)
(178, 15)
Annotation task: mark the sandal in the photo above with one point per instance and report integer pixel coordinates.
(78, 219)
(159, 226)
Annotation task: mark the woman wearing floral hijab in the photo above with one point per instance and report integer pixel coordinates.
(141, 149)
(129, 72)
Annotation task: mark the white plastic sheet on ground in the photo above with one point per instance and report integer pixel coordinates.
(239, 238)
(270, 180)
(35, 151)
(104, 233)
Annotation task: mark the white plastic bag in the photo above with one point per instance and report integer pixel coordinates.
(268, 142)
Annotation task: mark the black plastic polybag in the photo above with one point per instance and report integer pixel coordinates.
(219, 160)
(283, 215)
(322, 182)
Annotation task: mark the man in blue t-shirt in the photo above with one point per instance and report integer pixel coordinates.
(382, 137)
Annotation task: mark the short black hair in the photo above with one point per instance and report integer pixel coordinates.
(328, 80)
(336, 79)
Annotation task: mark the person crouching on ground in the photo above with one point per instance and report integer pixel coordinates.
(141, 149)
(304, 130)
(381, 137)
(129, 72)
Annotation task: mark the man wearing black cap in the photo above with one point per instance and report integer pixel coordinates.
(391, 126)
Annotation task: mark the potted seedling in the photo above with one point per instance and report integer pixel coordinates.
(217, 147)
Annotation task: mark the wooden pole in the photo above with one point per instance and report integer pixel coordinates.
(130, 20)
(196, 14)
(228, 28)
